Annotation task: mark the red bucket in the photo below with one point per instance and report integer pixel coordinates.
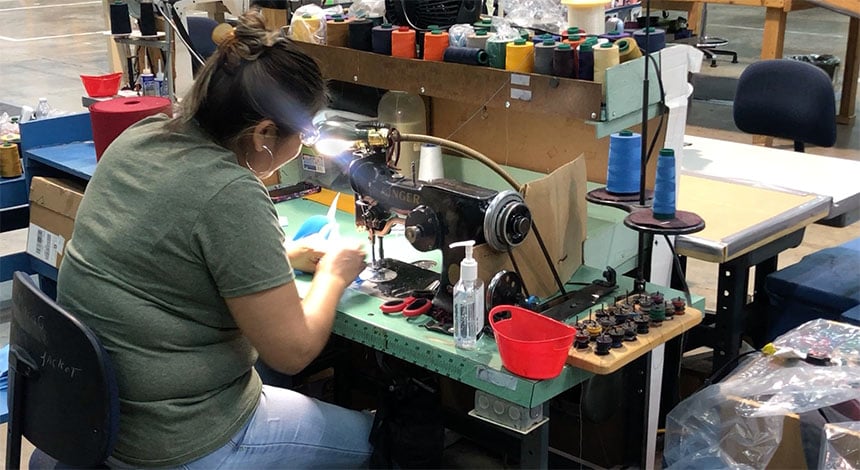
(531, 345)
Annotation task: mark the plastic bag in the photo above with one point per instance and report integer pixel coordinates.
(458, 33)
(368, 8)
(8, 127)
(546, 15)
(308, 25)
(739, 423)
(505, 31)
(827, 62)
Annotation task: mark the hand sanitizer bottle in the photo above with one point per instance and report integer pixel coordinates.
(468, 301)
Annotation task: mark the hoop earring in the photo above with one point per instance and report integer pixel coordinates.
(268, 169)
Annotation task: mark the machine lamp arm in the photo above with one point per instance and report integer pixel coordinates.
(337, 137)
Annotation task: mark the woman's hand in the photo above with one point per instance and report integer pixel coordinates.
(304, 257)
(345, 261)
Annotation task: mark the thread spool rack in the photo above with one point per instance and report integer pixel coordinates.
(163, 42)
(550, 113)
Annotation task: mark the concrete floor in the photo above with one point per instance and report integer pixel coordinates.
(47, 44)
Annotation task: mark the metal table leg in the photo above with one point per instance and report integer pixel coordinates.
(732, 312)
(534, 446)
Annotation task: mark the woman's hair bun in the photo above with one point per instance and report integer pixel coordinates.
(248, 39)
(223, 32)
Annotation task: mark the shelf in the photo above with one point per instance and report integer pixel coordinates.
(548, 95)
(159, 42)
(76, 158)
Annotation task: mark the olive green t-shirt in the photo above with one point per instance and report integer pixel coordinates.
(169, 226)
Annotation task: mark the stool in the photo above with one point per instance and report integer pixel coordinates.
(821, 285)
(709, 46)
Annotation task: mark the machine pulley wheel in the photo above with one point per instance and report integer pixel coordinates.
(507, 221)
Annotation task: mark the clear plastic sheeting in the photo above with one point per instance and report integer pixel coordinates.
(545, 15)
(840, 447)
(505, 30)
(8, 126)
(368, 8)
(739, 422)
(308, 25)
(458, 33)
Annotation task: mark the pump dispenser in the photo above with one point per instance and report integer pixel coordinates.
(468, 300)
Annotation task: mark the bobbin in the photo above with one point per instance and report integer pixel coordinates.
(582, 340)
(629, 331)
(617, 335)
(643, 323)
(604, 342)
(606, 322)
(679, 306)
(657, 313)
(592, 328)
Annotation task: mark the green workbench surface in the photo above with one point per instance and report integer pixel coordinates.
(359, 320)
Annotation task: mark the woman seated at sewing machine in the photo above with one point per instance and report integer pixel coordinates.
(178, 264)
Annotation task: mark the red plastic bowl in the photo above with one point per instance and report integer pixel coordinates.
(101, 85)
(531, 345)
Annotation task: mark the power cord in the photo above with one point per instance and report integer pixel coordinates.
(681, 275)
(662, 103)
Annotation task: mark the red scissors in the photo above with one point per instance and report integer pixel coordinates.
(411, 306)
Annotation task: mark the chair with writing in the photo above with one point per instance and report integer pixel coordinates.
(62, 390)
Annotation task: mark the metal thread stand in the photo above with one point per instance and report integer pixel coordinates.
(164, 45)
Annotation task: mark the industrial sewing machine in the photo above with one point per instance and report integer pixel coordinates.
(435, 213)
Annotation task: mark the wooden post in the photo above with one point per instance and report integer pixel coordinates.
(774, 33)
(850, 76)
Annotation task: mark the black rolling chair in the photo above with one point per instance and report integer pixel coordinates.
(787, 99)
(62, 391)
(200, 31)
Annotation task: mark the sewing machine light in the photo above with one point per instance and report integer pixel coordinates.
(337, 137)
(332, 147)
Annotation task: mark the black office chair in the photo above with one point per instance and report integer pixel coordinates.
(787, 99)
(62, 390)
(200, 31)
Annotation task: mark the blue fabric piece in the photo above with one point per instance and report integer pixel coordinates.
(312, 225)
(823, 284)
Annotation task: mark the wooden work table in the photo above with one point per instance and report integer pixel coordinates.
(773, 40)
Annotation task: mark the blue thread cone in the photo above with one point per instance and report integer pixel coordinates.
(623, 169)
(664, 186)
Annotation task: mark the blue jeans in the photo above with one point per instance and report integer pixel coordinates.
(290, 430)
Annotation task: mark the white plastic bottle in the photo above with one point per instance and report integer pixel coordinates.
(148, 86)
(160, 84)
(468, 300)
(43, 109)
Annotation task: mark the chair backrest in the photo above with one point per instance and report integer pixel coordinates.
(62, 390)
(787, 99)
(200, 31)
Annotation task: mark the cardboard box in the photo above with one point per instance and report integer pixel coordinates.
(787, 452)
(53, 206)
(561, 224)
(840, 445)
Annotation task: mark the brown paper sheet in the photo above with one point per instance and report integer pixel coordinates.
(558, 207)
